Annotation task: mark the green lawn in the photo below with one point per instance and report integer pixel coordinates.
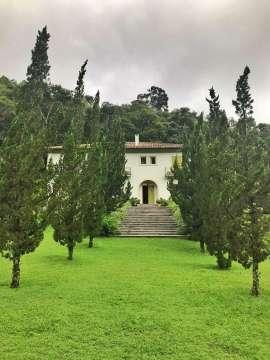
(132, 299)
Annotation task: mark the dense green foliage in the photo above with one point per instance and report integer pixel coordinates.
(223, 178)
(175, 209)
(24, 177)
(136, 118)
(132, 299)
(155, 97)
(187, 180)
(111, 222)
(116, 186)
(93, 176)
(249, 246)
(23, 192)
(64, 206)
(8, 90)
(220, 186)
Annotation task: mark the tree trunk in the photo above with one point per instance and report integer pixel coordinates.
(229, 261)
(202, 247)
(15, 282)
(91, 241)
(222, 262)
(256, 278)
(70, 252)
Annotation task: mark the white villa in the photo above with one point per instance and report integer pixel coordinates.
(147, 165)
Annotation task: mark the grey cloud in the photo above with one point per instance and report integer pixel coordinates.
(183, 46)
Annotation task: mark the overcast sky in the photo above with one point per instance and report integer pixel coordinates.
(183, 46)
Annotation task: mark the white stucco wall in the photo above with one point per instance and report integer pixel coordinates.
(155, 173)
(54, 157)
(141, 173)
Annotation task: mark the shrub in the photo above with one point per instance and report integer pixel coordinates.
(134, 201)
(109, 225)
(162, 202)
(112, 221)
(177, 216)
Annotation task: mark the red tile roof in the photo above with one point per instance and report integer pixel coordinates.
(132, 145)
(152, 145)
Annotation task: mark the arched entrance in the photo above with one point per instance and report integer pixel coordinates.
(149, 192)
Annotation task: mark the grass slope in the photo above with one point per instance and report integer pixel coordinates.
(131, 299)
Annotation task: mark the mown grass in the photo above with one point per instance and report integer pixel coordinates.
(132, 299)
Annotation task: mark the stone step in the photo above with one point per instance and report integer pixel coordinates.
(138, 222)
(145, 226)
(150, 234)
(148, 220)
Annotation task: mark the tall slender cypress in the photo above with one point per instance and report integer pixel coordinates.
(93, 176)
(249, 246)
(220, 180)
(64, 207)
(187, 181)
(23, 192)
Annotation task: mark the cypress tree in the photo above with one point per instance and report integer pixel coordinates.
(78, 113)
(23, 192)
(115, 185)
(34, 94)
(64, 207)
(35, 91)
(219, 188)
(187, 181)
(249, 245)
(93, 193)
(93, 176)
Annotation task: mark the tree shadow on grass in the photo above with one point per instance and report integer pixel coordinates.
(202, 266)
(60, 260)
(179, 246)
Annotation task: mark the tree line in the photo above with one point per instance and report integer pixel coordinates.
(147, 115)
(223, 185)
(72, 195)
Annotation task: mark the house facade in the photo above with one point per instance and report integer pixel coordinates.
(147, 164)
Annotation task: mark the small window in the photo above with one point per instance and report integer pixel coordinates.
(143, 160)
(153, 160)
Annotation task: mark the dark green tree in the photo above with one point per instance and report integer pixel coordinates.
(34, 94)
(220, 186)
(115, 176)
(64, 206)
(65, 209)
(38, 70)
(35, 90)
(8, 90)
(23, 192)
(92, 125)
(155, 97)
(93, 175)
(179, 124)
(79, 105)
(187, 181)
(250, 246)
(60, 117)
(93, 192)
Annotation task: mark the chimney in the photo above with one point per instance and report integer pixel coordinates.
(137, 139)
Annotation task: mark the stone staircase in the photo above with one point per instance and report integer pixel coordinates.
(148, 220)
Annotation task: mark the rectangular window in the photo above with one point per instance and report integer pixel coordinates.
(153, 160)
(143, 160)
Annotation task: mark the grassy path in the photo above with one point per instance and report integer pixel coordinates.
(132, 299)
